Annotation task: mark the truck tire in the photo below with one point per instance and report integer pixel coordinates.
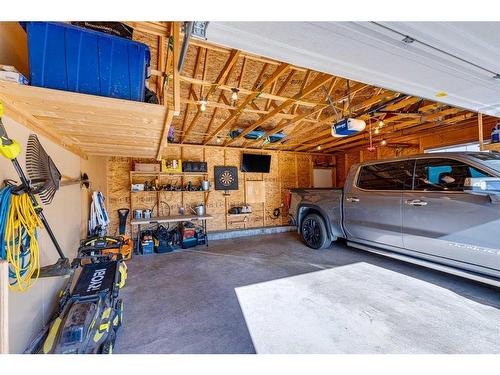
(314, 232)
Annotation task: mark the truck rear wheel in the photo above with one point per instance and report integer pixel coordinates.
(314, 232)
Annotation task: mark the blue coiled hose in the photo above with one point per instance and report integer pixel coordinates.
(5, 194)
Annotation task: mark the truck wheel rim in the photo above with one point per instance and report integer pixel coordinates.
(312, 233)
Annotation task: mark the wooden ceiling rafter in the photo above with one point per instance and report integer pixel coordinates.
(221, 79)
(191, 92)
(174, 109)
(426, 118)
(244, 91)
(276, 74)
(318, 81)
(408, 131)
(301, 137)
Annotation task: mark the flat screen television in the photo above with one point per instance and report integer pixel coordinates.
(255, 163)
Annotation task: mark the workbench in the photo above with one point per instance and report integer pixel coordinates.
(171, 219)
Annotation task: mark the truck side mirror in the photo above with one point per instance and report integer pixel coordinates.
(483, 186)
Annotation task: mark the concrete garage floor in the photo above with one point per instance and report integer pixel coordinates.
(185, 302)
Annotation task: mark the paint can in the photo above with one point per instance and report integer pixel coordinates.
(137, 214)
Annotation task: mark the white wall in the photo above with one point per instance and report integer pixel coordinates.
(29, 311)
(96, 169)
(322, 178)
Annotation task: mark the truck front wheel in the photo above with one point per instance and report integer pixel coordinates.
(314, 232)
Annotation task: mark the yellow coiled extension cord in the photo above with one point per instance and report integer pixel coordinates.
(22, 221)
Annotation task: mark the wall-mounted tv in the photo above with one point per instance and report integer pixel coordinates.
(255, 163)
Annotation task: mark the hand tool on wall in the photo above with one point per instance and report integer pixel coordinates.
(40, 165)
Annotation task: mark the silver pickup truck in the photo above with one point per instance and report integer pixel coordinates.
(440, 210)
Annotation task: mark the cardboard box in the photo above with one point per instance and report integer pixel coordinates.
(147, 167)
(10, 74)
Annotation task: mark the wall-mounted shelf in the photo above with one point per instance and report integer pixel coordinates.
(167, 174)
(171, 191)
(491, 147)
(245, 214)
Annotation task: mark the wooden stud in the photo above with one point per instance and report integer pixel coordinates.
(277, 73)
(318, 82)
(176, 74)
(480, 130)
(223, 76)
(166, 126)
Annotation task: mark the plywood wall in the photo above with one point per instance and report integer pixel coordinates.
(288, 170)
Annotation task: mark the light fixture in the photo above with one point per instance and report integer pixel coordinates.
(376, 131)
(219, 140)
(319, 148)
(381, 124)
(203, 105)
(383, 142)
(234, 95)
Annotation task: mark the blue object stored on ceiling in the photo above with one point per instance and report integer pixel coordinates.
(66, 57)
(254, 134)
(276, 137)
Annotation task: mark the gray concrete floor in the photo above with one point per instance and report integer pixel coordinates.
(185, 302)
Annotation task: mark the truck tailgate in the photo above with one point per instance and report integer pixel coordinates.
(327, 201)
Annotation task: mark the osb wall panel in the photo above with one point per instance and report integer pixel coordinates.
(368, 155)
(118, 194)
(304, 170)
(340, 170)
(273, 193)
(288, 170)
(288, 178)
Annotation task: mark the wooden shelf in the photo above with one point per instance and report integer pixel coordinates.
(491, 147)
(170, 219)
(171, 191)
(245, 214)
(167, 174)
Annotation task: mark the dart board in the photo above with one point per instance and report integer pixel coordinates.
(226, 178)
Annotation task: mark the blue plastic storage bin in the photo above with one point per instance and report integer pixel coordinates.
(66, 57)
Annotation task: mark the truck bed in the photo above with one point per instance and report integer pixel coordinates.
(328, 201)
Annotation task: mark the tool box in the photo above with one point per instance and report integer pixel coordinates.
(71, 58)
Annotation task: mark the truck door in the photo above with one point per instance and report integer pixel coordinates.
(372, 202)
(439, 219)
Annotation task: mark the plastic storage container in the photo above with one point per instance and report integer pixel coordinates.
(66, 57)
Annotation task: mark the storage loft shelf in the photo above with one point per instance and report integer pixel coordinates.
(87, 124)
(165, 174)
(491, 147)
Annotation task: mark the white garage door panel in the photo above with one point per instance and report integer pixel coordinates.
(366, 52)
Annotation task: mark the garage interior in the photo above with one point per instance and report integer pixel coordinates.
(217, 102)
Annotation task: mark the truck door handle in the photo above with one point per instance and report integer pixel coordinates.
(416, 202)
(352, 199)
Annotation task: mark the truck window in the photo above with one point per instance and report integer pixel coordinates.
(386, 176)
(437, 174)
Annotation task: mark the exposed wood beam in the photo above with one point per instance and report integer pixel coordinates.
(276, 74)
(425, 119)
(191, 92)
(409, 131)
(23, 116)
(166, 126)
(161, 66)
(313, 86)
(222, 78)
(243, 91)
(313, 132)
(176, 79)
